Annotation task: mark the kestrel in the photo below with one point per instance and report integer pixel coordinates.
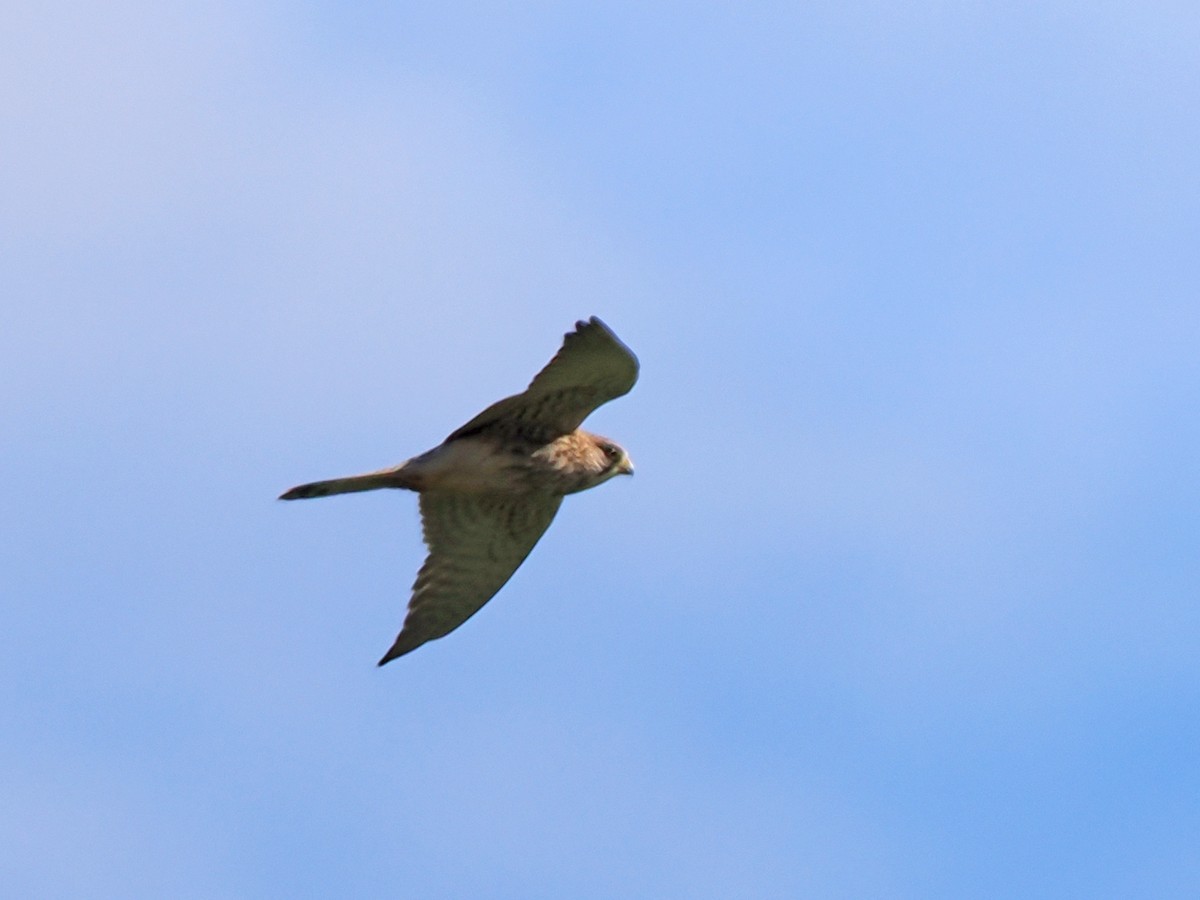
(491, 489)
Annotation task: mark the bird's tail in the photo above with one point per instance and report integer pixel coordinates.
(385, 478)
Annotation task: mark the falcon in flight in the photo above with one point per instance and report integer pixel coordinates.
(490, 490)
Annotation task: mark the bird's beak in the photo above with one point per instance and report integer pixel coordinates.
(626, 466)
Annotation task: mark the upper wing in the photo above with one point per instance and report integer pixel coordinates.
(592, 368)
(476, 542)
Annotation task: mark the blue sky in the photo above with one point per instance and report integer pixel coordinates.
(903, 599)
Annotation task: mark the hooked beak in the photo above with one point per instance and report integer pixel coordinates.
(625, 467)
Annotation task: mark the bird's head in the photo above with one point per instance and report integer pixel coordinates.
(616, 460)
(580, 460)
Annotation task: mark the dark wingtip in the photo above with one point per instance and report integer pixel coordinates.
(597, 322)
(391, 654)
(388, 657)
(400, 648)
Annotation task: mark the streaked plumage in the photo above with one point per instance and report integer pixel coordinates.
(491, 489)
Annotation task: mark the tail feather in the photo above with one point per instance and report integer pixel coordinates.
(388, 478)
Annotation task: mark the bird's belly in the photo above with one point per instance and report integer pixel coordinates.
(470, 466)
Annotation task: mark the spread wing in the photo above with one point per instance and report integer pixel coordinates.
(476, 542)
(592, 368)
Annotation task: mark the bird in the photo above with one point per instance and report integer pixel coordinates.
(490, 490)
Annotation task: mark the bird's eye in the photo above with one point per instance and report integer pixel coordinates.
(611, 451)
